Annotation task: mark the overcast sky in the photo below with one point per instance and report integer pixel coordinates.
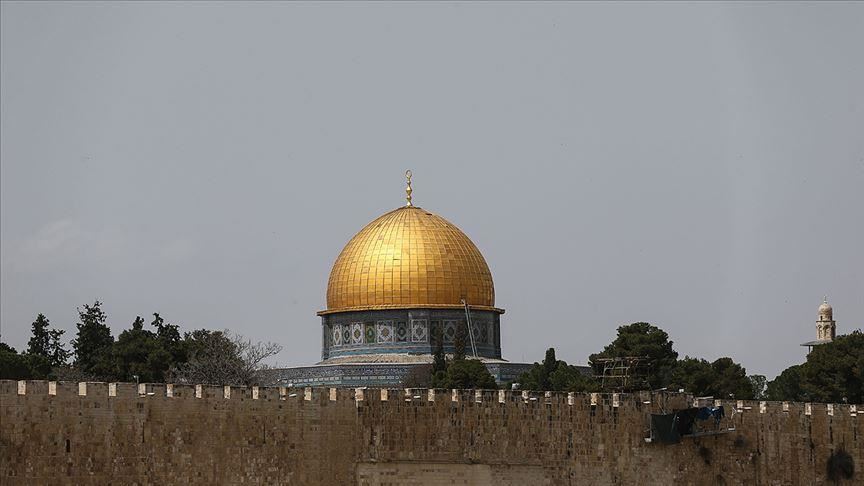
(696, 166)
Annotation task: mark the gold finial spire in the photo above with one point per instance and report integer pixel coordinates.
(408, 189)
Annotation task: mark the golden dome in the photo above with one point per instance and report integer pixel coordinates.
(409, 258)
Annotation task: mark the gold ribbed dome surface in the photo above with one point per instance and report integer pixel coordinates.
(409, 258)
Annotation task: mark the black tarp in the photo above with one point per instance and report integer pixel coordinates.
(684, 420)
(664, 430)
(669, 428)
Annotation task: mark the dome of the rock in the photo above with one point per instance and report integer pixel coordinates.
(407, 286)
(409, 258)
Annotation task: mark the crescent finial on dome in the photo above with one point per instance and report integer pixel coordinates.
(408, 189)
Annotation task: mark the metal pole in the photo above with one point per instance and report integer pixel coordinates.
(470, 328)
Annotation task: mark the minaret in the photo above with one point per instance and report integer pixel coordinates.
(825, 326)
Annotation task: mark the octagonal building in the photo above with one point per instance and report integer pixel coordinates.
(405, 280)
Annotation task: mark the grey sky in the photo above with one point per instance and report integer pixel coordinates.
(697, 166)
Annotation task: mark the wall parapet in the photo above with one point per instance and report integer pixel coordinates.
(659, 401)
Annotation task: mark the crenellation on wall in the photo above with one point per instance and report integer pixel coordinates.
(343, 394)
(214, 392)
(336, 435)
(120, 390)
(93, 390)
(181, 392)
(211, 392)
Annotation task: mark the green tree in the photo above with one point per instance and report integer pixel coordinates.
(37, 356)
(537, 377)
(643, 339)
(758, 383)
(170, 339)
(731, 380)
(693, 375)
(57, 352)
(468, 373)
(550, 365)
(721, 378)
(459, 372)
(834, 371)
(94, 342)
(41, 337)
(572, 379)
(23, 366)
(553, 374)
(786, 386)
(13, 366)
(132, 353)
(172, 348)
(45, 344)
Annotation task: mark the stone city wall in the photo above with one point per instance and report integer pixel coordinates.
(100, 433)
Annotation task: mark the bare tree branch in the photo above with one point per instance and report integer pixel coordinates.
(223, 358)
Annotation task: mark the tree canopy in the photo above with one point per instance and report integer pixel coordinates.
(458, 371)
(46, 342)
(721, 378)
(643, 339)
(147, 354)
(557, 375)
(13, 366)
(45, 353)
(467, 373)
(94, 342)
(786, 386)
(220, 357)
(833, 372)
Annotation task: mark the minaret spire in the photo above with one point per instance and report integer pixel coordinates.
(408, 189)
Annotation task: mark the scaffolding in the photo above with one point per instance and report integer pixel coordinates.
(623, 373)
